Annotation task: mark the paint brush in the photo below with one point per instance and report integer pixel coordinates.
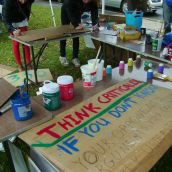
(97, 57)
(5, 109)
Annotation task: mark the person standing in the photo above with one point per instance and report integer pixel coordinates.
(167, 15)
(139, 5)
(16, 14)
(71, 12)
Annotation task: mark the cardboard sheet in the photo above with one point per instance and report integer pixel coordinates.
(125, 128)
(17, 79)
(5, 70)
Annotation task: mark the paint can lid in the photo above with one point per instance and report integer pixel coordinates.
(130, 59)
(108, 66)
(161, 65)
(150, 70)
(121, 62)
(50, 87)
(65, 80)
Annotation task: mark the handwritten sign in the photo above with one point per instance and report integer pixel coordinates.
(113, 131)
(5, 70)
(17, 79)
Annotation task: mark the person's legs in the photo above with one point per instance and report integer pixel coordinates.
(167, 14)
(26, 48)
(64, 21)
(75, 60)
(16, 53)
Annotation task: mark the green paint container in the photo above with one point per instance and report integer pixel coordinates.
(51, 95)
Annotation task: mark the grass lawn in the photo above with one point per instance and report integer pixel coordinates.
(41, 18)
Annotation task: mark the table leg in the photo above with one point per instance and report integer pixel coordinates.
(34, 65)
(25, 66)
(104, 52)
(8, 153)
(40, 54)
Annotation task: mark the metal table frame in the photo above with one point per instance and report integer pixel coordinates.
(36, 58)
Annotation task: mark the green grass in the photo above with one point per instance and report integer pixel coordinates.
(41, 18)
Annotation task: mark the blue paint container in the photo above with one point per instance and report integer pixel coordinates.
(150, 74)
(21, 106)
(109, 69)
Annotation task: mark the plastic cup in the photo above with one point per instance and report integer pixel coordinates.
(88, 76)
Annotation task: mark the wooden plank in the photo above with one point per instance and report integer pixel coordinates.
(6, 91)
(48, 33)
(10, 127)
(117, 130)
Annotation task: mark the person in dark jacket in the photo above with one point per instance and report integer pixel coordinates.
(167, 15)
(16, 14)
(71, 12)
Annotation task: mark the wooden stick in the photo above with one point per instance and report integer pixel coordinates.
(96, 58)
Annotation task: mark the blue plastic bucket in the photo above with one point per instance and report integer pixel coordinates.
(21, 106)
(134, 19)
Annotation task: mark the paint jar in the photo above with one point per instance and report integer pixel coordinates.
(150, 74)
(109, 69)
(66, 87)
(161, 68)
(156, 43)
(99, 68)
(138, 60)
(121, 65)
(104, 72)
(21, 106)
(130, 62)
(51, 95)
(88, 76)
(148, 64)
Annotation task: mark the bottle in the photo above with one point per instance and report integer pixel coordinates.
(104, 72)
(121, 65)
(109, 69)
(161, 68)
(150, 74)
(130, 62)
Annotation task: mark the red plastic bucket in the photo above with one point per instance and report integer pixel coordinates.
(66, 87)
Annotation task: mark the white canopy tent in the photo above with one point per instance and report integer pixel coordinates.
(103, 6)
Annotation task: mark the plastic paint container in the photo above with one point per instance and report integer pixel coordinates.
(88, 76)
(138, 60)
(148, 64)
(156, 44)
(121, 65)
(21, 106)
(109, 69)
(51, 95)
(161, 68)
(66, 87)
(104, 72)
(150, 74)
(99, 68)
(130, 62)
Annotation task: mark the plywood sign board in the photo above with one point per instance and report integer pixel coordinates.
(114, 131)
(6, 91)
(17, 79)
(47, 33)
(5, 70)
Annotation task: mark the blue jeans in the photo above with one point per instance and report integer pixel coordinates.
(167, 14)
